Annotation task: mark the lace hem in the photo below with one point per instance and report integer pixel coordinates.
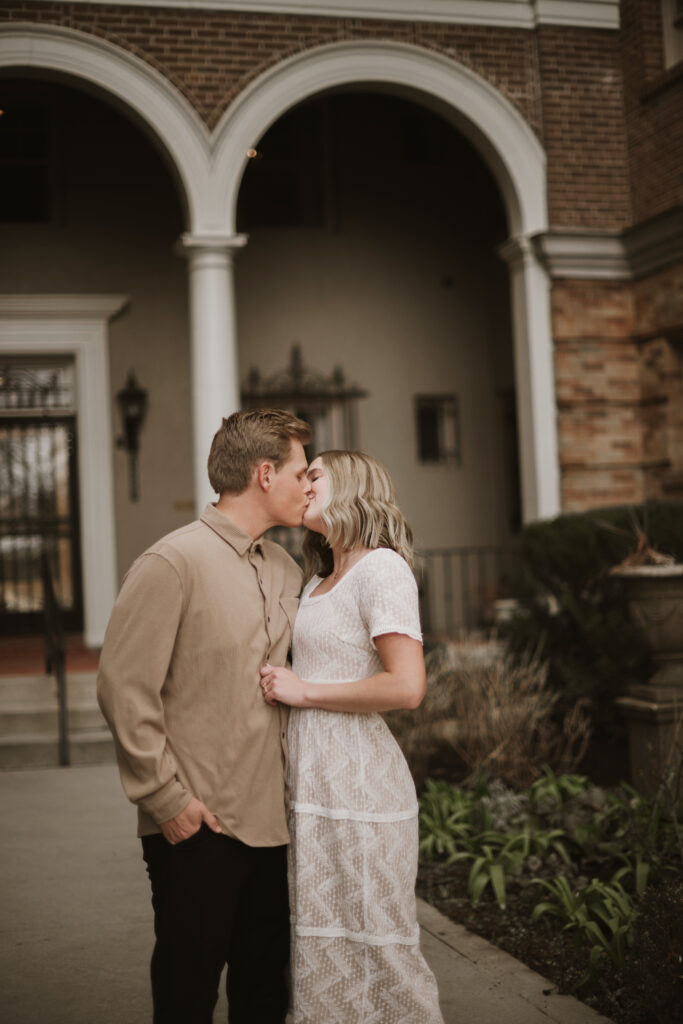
(342, 814)
(363, 937)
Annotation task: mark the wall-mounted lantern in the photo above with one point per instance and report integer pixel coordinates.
(132, 400)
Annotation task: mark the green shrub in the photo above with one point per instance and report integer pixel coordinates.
(601, 914)
(571, 605)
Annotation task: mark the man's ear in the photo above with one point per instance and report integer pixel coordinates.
(264, 475)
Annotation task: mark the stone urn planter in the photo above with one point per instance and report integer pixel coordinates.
(654, 709)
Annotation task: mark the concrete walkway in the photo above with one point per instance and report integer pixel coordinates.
(76, 920)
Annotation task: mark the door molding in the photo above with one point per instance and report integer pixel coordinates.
(78, 326)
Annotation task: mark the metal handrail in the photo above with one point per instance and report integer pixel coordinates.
(459, 587)
(55, 656)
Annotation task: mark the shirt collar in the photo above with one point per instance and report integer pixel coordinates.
(229, 531)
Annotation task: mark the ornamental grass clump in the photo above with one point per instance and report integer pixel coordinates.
(487, 713)
(508, 727)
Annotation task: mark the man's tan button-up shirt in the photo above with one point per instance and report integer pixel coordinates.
(198, 615)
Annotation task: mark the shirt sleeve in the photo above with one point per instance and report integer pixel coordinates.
(388, 596)
(134, 662)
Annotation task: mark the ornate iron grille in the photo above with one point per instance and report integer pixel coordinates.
(38, 494)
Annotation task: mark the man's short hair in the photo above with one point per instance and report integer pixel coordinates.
(248, 438)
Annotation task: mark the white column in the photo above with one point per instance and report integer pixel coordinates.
(213, 344)
(535, 381)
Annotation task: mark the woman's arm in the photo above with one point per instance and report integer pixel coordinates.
(402, 684)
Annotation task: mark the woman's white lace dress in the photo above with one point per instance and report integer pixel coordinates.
(353, 856)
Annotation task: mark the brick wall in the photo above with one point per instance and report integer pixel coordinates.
(597, 377)
(583, 129)
(564, 82)
(619, 381)
(659, 326)
(654, 112)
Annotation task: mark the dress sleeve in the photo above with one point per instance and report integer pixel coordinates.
(388, 596)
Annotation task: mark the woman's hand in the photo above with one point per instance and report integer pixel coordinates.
(281, 686)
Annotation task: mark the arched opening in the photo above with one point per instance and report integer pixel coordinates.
(373, 232)
(509, 149)
(90, 208)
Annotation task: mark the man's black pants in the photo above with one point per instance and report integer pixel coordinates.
(217, 901)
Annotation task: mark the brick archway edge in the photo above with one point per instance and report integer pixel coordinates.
(494, 126)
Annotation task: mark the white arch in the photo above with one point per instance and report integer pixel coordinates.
(138, 86)
(497, 129)
(511, 150)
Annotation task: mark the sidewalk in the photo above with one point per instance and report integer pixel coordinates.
(76, 920)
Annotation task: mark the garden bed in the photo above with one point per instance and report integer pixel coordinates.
(553, 955)
(583, 884)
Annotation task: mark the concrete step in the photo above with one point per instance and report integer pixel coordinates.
(41, 750)
(26, 689)
(20, 718)
(29, 727)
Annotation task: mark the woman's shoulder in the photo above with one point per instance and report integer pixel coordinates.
(385, 563)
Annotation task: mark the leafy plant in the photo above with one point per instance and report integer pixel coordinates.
(603, 913)
(445, 819)
(499, 856)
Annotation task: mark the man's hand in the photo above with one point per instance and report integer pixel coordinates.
(188, 822)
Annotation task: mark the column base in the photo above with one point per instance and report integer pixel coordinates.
(655, 734)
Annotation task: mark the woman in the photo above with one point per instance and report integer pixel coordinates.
(353, 855)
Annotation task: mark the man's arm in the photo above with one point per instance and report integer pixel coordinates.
(133, 667)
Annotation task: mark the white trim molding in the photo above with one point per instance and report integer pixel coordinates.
(501, 13)
(613, 255)
(583, 254)
(77, 325)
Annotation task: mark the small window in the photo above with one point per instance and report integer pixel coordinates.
(438, 430)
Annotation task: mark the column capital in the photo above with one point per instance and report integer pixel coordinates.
(518, 252)
(190, 244)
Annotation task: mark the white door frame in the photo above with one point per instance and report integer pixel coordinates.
(77, 326)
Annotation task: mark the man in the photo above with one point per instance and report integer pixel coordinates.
(200, 752)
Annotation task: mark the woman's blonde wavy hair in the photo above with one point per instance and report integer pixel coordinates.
(361, 510)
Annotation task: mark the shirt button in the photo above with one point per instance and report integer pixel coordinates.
(283, 735)
(267, 618)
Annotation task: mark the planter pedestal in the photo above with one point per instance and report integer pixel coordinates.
(654, 710)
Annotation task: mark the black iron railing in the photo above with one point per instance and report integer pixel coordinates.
(55, 656)
(463, 590)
